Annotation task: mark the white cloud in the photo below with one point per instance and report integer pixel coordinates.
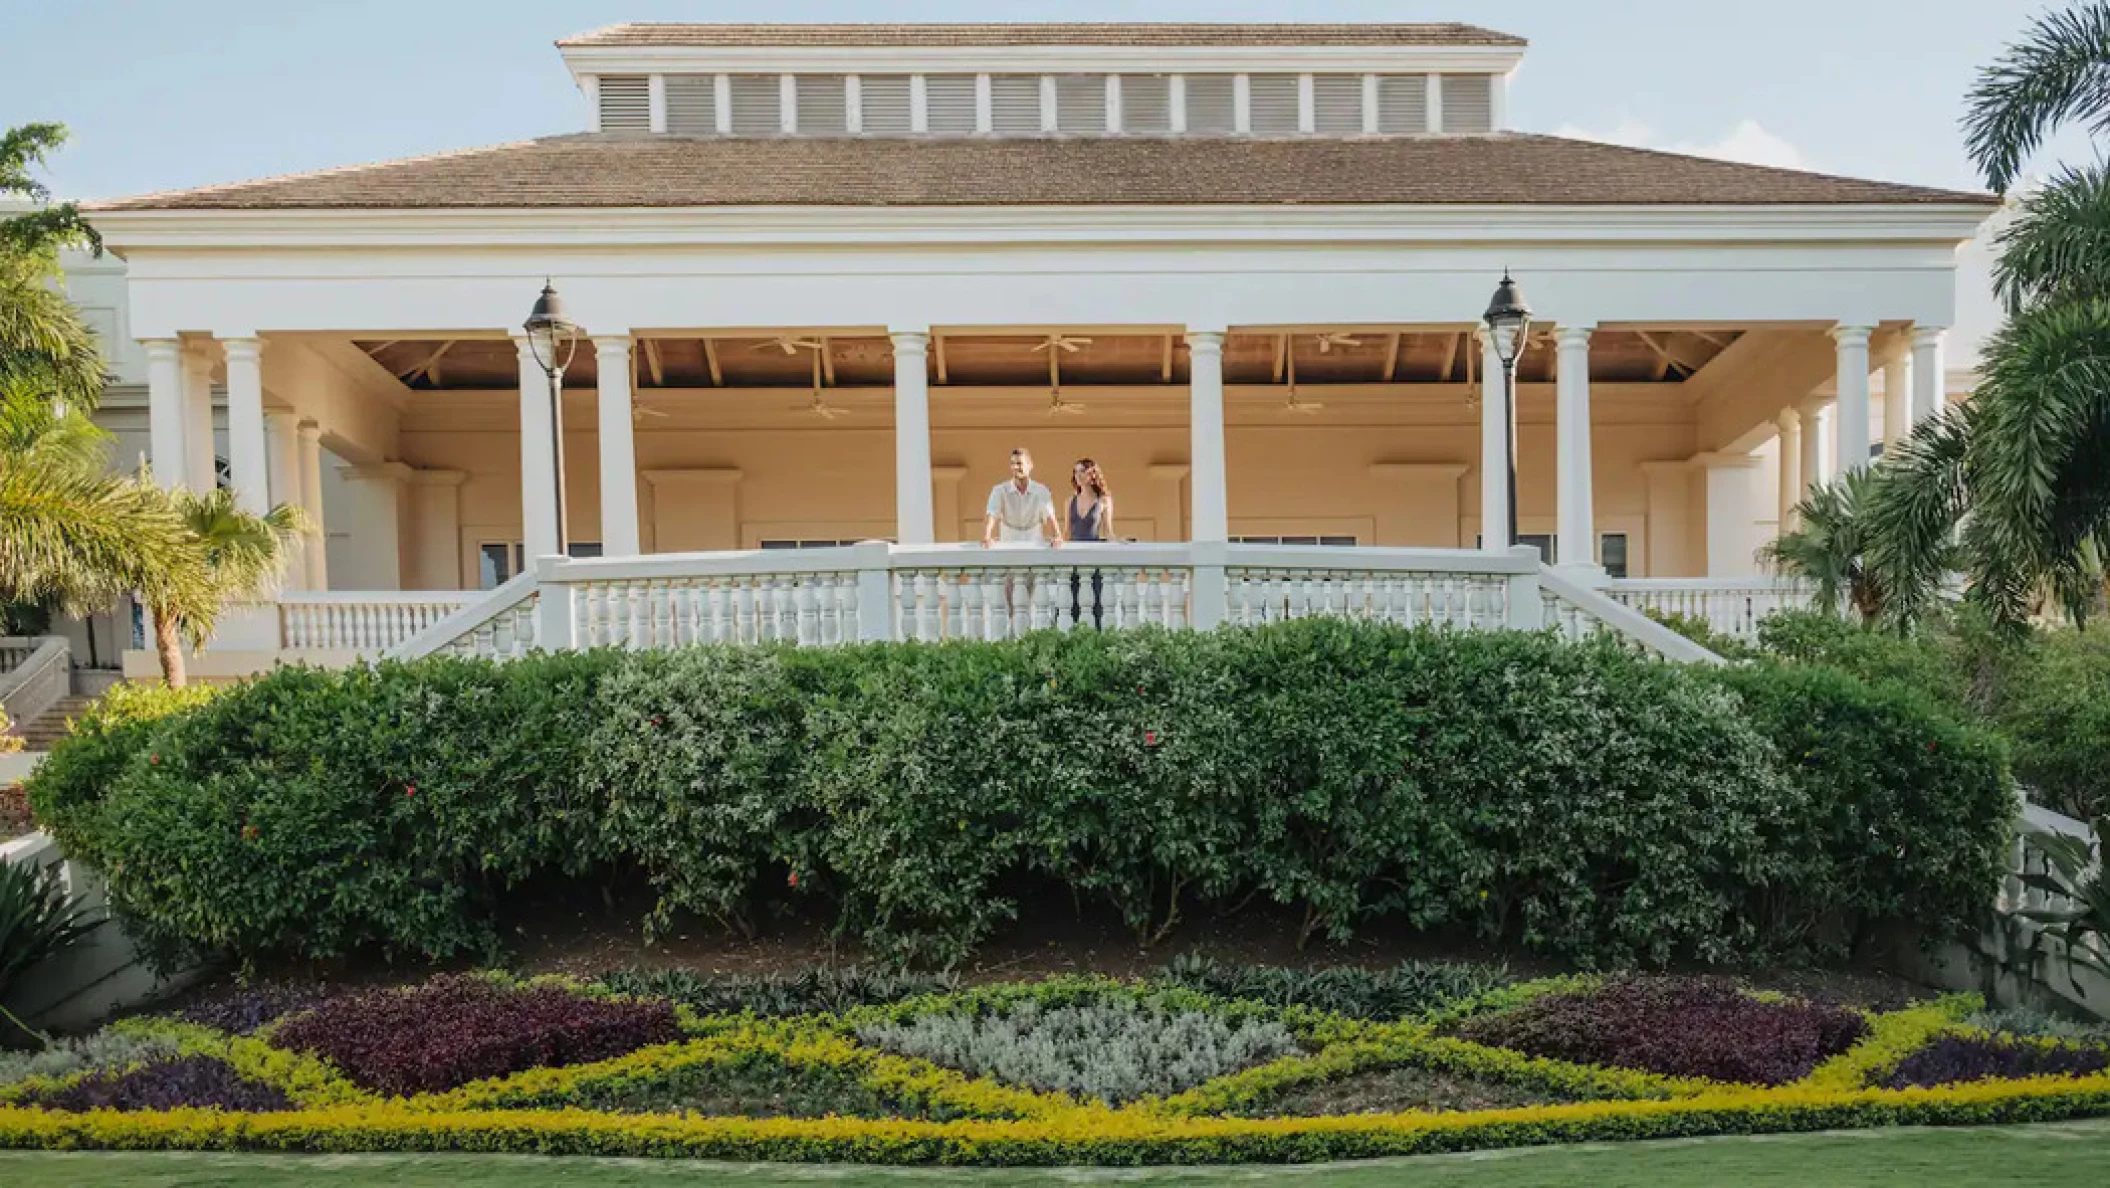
(1749, 141)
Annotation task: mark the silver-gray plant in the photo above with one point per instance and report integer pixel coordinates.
(102, 1050)
(1115, 1050)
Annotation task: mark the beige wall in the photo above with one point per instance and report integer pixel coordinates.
(727, 469)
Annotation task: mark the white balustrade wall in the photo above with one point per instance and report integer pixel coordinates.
(362, 621)
(879, 591)
(1730, 606)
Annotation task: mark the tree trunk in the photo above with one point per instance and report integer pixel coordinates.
(169, 650)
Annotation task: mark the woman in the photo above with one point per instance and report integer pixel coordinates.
(1091, 518)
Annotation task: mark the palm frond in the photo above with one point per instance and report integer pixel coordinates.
(1913, 513)
(2058, 246)
(2058, 72)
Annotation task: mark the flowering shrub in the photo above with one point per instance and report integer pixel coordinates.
(1684, 1027)
(197, 1082)
(1954, 1058)
(458, 1029)
(1112, 1051)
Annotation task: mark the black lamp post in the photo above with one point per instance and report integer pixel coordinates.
(1509, 327)
(553, 339)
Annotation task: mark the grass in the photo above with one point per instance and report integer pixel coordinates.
(2041, 1156)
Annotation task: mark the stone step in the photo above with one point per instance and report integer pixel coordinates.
(52, 725)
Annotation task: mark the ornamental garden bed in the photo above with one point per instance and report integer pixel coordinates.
(884, 1068)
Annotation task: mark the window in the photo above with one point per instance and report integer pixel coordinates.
(948, 104)
(1611, 553)
(498, 562)
(1212, 103)
(807, 544)
(692, 104)
(1326, 541)
(1146, 103)
(1014, 104)
(1274, 104)
(821, 109)
(757, 105)
(626, 103)
(1337, 104)
(1402, 103)
(883, 98)
(1468, 102)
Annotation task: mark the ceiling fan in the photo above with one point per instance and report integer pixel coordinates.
(1058, 407)
(1329, 341)
(791, 344)
(639, 410)
(1291, 402)
(819, 405)
(1062, 341)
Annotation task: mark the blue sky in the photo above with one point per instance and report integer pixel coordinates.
(161, 95)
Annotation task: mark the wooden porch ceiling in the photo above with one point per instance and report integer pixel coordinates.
(1081, 358)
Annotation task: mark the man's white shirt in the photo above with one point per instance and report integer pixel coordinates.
(1019, 514)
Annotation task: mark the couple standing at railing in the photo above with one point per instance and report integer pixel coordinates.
(1021, 510)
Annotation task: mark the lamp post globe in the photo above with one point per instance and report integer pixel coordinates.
(1508, 320)
(552, 339)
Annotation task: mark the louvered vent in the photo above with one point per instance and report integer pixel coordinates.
(1337, 104)
(757, 105)
(1402, 104)
(1212, 103)
(1468, 103)
(1146, 104)
(822, 111)
(692, 104)
(885, 104)
(1274, 98)
(1080, 104)
(1014, 104)
(948, 103)
(626, 103)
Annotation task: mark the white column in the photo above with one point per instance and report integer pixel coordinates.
(538, 459)
(1577, 547)
(1208, 478)
(1494, 451)
(282, 447)
(374, 521)
(619, 533)
(1850, 435)
(1811, 471)
(912, 502)
(1897, 401)
(1928, 377)
(1730, 550)
(1790, 492)
(200, 472)
(248, 458)
(165, 410)
(315, 553)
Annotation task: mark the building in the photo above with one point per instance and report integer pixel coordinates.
(830, 275)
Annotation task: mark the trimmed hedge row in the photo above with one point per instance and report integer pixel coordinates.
(1587, 803)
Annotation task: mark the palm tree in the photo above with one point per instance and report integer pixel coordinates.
(2019, 480)
(1827, 547)
(237, 555)
(43, 340)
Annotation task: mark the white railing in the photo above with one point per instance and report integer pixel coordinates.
(38, 674)
(1730, 606)
(362, 621)
(878, 591)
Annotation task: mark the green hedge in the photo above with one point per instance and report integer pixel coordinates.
(1586, 803)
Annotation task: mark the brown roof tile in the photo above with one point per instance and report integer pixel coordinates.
(604, 170)
(924, 36)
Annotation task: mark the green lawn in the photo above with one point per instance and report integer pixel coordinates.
(2041, 1156)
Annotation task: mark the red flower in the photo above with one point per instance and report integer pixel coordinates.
(410, 789)
(154, 759)
(792, 879)
(1150, 738)
(251, 833)
(1139, 688)
(1930, 748)
(655, 720)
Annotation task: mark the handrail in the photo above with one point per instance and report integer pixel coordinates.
(376, 597)
(40, 681)
(1625, 620)
(468, 619)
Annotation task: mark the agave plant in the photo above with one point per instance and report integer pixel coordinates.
(38, 918)
(2076, 875)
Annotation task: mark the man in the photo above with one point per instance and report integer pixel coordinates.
(1020, 508)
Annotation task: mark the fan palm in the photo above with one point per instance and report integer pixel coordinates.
(1828, 547)
(238, 556)
(2020, 481)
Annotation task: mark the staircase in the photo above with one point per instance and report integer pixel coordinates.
(49, 727)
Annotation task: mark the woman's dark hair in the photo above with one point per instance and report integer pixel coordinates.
(1094, 478)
